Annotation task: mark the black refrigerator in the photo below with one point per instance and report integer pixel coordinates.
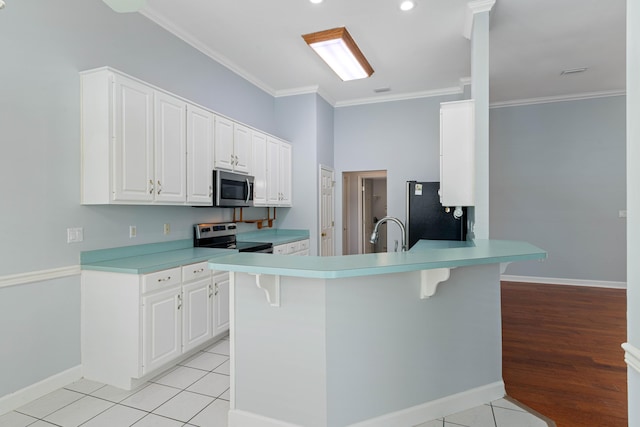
(427, 219)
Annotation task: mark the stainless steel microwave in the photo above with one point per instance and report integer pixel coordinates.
(232, 190)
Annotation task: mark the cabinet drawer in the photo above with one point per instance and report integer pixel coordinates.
(293, 247)
(195, 271)
(161, 279)
(304, 244)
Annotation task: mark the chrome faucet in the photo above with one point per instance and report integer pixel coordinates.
(374, 235)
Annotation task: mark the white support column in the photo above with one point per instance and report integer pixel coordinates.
(477, 29)
(633, 208)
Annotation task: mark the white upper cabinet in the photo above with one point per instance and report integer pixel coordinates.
(132, 129)
(125, 158)
(457, 153)
(170, 151)
(199, 156)
(232, 146)
(259, 168)
(278, 172)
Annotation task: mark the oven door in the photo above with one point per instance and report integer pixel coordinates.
(232, 190)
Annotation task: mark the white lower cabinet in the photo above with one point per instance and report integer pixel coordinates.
(135, 325)
(299, 247)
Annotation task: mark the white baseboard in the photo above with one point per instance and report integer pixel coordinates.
(438, 408)
(34, 391)
(570, 282)
(404, 418)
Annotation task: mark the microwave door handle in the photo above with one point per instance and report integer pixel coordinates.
(248, 191)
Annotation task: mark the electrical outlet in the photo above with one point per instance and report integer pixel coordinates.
(167, 229)
(132, 231)
(75, 235)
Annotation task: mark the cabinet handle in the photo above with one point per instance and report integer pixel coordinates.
(216, 292)
(210, 291)
(210, 191)
(198, 271)
(159, 187)
(150, 187)
(164, 279)
(179, 301)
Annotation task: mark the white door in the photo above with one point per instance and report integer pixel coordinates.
(241, 148)
(221, 301)
(170, 149)
(197, 324)
(199, 155)
(273, 172)
(285, 174)
(161, 328)
(259, 168)
(133, 142)
(327, 211)
(223, 144)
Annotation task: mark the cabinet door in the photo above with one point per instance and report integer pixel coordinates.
(161, 328)
(196, 314)
(133, 141)
(259, 168)
(223, 144)
(241, 148)
(457, 153)
(170, 149)
(273, 174)
(199, 156)
(285, 174)
(221, 301)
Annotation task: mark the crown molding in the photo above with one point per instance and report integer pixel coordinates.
(473, 7)
(149, 13)
(560, 98)
(400, 97)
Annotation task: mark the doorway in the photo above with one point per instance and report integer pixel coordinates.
(364, 203)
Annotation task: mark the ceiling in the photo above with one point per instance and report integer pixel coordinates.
(414, 54)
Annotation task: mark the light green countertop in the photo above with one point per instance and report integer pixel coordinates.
(142, 259)
(425, 255)
(275, 236)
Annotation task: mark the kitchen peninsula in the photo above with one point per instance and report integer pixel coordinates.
(387, 339)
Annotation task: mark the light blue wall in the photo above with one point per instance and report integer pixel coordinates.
(400, 137)
(557, 180)
(44, 44)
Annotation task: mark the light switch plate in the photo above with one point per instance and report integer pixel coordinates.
(75, 235)
(132, 231)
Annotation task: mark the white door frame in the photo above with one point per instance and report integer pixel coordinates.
(321, 206)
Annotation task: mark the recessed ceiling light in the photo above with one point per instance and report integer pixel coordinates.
(315, 1)
(407, 5)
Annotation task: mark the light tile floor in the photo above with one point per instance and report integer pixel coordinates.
(195, 393)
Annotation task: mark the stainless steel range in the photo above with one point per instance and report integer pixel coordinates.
(223, 236)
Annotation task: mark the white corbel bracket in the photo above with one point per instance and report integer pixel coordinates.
(430, 279)
(503, 267)
(270, 284)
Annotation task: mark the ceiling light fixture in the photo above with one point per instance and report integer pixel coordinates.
(407, 5)
(340, 52)
(315, 1)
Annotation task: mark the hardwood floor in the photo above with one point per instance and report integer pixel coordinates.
(561, 352)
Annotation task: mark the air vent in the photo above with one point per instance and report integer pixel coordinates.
(382, 89)
(573, 71)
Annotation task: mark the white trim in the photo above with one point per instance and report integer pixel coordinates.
(438, 408)
(570, 282)
(473, 7)
(406, 417)
(34, 391)
(560, 98)
(401, 97)
(151, 14)
(39, 276)
(632, 356)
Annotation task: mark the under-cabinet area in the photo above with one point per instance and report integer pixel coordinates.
(144, 145)
(134, 325)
